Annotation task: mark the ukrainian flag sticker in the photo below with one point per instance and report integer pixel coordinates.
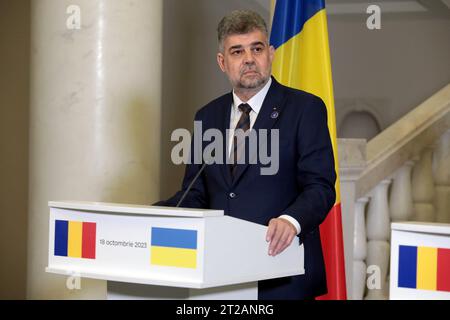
(173, 248)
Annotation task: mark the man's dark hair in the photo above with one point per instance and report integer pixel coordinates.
(240, 22)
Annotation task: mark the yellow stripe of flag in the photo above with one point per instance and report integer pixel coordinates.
(174, 257)
(303, 62)
(426, 268)
(75, 239)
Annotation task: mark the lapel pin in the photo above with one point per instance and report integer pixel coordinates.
(274, 114)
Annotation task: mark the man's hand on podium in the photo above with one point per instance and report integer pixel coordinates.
(280, 235)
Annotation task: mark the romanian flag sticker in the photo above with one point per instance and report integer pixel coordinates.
(174, 248)
(75, 239)
(424, 268)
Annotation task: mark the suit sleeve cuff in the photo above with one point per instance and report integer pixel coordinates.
(293, 221)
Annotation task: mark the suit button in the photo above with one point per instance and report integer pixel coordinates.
(232, 195)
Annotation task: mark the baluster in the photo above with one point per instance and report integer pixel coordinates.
(423, 188)
(442, 178)
(378, 234)
(401, 201)
(359, 250)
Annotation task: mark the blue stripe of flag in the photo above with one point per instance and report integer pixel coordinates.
(175, 238)
(289, 18)
(407, 267)
(61, 237)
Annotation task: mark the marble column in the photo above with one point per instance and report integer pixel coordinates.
(359, 250)
(378, 236)
(94, 117)
(352, 162)
(401, 203)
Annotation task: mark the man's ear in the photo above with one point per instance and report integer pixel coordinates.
(221, 61)
(271, 53)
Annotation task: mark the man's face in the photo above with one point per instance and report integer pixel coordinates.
(246, 59)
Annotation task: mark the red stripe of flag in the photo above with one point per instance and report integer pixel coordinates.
(443, 270)
(89, 234)
(333, 254)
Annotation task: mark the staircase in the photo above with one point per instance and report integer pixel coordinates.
(402, 174)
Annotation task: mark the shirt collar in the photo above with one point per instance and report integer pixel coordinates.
(256, 101)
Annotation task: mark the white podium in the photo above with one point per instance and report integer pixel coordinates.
(420, 261)
(148, 252)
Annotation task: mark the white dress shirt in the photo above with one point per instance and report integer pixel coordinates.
(256, 103)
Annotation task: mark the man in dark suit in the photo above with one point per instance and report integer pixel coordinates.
(297, 198)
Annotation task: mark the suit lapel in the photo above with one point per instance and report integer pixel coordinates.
(267, 117)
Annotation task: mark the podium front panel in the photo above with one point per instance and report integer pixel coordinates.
(420, 261)
(159, 250)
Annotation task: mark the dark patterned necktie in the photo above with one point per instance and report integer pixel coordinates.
(243, 124)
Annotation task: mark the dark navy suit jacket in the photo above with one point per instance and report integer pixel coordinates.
(303, 187)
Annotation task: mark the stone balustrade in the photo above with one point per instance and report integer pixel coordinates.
(403, 174)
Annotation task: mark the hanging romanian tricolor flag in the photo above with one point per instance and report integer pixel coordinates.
(424, 268)
(302, 61)
(174, 248)
(75, 239)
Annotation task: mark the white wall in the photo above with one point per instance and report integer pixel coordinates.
(393, 69)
